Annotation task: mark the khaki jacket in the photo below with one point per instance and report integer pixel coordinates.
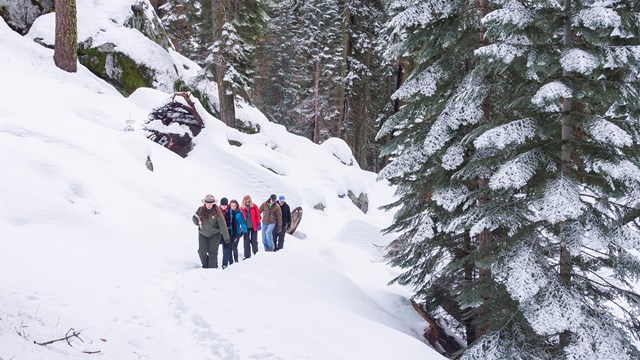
(272, 214)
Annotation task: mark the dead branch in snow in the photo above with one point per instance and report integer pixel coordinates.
(70, 335)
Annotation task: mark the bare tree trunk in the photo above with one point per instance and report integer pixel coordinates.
(469, 269)
(226, 97)
(401, 73)
(361, 117)
(221, 13)
(316, 105)
(565, 157)
(485, 237)
(157, 3)
(341, 93)
(65, 54)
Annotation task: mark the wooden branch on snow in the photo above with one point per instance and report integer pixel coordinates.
(72, 333)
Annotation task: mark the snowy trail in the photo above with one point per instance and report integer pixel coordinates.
(244, 311)
(193, 335)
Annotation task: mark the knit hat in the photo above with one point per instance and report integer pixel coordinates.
(224, 201)
(273, 197)
(281, 198)
(209, 199)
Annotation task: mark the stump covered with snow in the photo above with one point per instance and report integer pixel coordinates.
(175, 124)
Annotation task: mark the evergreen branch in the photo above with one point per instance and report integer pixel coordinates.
(612, 287)
(634, 213)
(596, 251)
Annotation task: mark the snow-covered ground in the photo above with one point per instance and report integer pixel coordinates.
(92, 240)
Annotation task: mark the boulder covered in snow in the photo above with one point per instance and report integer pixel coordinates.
(20, 14)
(145, 19)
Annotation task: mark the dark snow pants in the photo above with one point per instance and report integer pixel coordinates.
(208, 250)
(234, 248)
(227, 258)
(250, 242)
(278, 238)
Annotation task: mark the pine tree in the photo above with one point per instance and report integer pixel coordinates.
(443, 212)
(276, 89)
(237, 26)
(318, 55)
(188, 23)
(548, 170)
(563, 144)
(365, 79)
(65, 53)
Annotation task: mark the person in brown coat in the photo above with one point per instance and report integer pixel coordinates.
(271, 220)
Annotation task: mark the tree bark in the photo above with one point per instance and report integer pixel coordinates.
(65, 54)
(221, 13)
(469, 278)
(485, 237)
(341, 93)
(361, 117)
(565, 157)
(316, 104)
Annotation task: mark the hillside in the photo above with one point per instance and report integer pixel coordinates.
(92, 240)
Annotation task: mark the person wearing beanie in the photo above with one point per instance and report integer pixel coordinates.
(272, 220)
(227, 258)
(211, 227)
(278, 237)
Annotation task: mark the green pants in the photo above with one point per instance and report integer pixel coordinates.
(208, 250)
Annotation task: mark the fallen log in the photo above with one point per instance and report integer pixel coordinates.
(443, 342)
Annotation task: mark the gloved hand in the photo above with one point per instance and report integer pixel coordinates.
(259, 226)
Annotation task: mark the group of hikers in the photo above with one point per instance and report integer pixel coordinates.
(229, 221)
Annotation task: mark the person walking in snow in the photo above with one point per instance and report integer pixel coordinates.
(278, 237)
(238, 230)
(252, 216)
(271, 220)
(211, 227)
(232, 223)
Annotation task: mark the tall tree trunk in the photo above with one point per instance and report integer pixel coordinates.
(400, 76)
(157, 3)
(485, 237)
(362, 115)
(316, 104)
(226, 97)
(221, 13)
(565, 157)
(341, 93)
(65, 54)
(469, 269)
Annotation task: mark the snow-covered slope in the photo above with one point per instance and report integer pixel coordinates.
(92, 240)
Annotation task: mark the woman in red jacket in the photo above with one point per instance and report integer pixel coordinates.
(252, 216)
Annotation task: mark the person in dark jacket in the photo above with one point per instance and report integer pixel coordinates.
(211, 227)
(252, 216)
(278, 237)
(232, 226)
(239, 229)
